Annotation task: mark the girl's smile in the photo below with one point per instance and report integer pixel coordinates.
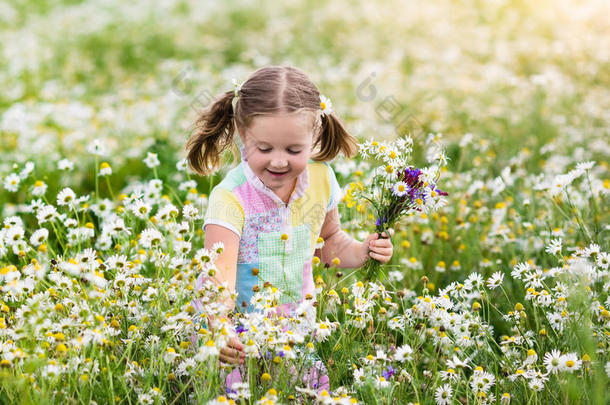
(277, 174)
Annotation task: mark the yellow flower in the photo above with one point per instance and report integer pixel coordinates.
(284, 237)
(319, 243)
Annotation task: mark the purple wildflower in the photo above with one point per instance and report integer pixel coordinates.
(388, 372)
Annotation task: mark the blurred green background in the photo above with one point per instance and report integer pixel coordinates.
(134, 74)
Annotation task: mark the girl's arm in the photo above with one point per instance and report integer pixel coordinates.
(350, 252)
(226, 263)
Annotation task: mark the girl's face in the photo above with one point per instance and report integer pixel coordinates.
(278, 148)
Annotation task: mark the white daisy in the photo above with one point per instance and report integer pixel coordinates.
(403, 353)
(443, 394)
(570, 362)
(381, 382)
(151, 160)
(65, 164)
(536, 384)
(170, 355)
(105, 169)
(495, 280)
(141, 209)
(400, 189)
(552, 361)
(182, 165)
(150, 237)
(207, 350)
(554, 246)
(326, 105)
(39, 188)
(39, 236)
(11, 182)
(583, 166)
(190, 213)
(14, 234)
(97, 148)
(319, 243)
(603, 260)
(66, 197)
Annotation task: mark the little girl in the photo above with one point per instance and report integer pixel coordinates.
(270, 211)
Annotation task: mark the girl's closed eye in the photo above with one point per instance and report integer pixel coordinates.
(291, 151)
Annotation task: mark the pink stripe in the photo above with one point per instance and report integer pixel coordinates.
(308, 287)
(252, 201)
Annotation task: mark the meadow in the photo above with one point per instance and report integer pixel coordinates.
(500, 296)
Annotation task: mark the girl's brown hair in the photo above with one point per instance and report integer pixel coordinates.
(269, 90)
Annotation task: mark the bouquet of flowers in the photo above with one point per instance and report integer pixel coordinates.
(395, 187)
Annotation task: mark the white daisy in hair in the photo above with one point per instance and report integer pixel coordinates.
(326, 105)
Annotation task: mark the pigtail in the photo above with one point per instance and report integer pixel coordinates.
(213, 135)
(334, 139)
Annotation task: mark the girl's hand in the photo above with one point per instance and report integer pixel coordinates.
(233, 352)
(380, 249)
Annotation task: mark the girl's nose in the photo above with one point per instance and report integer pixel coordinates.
(279, 161)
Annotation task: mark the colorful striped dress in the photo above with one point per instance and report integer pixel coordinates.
(244, 205)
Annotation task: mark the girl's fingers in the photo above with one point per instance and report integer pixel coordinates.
(228, 355)
(385, 234)
(236, 345)
(378, 257)
(383, 251)
(381, 243)
(227, 359)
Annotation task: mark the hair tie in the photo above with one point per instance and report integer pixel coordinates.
(326, 106)
(237, 86)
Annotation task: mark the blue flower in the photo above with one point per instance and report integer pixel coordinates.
(388, 372)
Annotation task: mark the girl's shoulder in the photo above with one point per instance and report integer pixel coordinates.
(234, 178)
(321, 171)
(323, 182)
(318, 169)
